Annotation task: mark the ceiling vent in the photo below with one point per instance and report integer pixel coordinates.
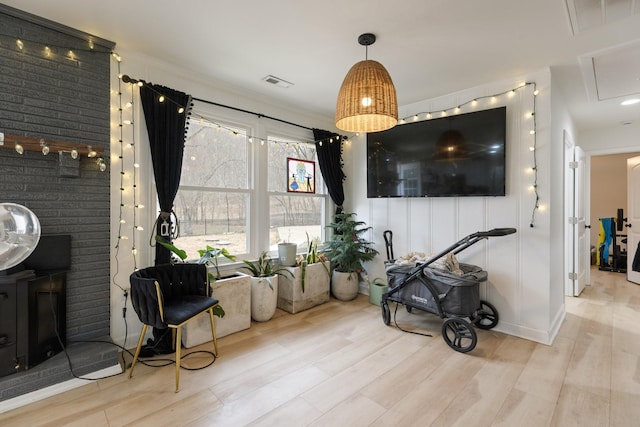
(277, 81)
(588, 14)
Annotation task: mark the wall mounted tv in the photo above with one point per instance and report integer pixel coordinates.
(454, 156)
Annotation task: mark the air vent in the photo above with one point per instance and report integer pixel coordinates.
(277, 81)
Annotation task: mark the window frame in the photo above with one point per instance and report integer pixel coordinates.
(259, 133)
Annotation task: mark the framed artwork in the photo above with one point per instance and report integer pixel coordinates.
(301, 176)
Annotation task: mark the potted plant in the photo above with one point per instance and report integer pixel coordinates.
(264, 286)
(233, 292)
(348, 250)
(308, 285)
(210, 256)
(312, 256)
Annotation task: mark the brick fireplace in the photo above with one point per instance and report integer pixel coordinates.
(58, 98)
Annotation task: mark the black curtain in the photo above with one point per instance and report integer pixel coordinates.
(166, 126)
(330, 161)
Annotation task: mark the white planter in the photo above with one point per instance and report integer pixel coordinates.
(290, 296)
(264, 299)
(234, 294)
(345, 286)
(287, 254)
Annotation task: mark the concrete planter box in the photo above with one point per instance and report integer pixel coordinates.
(290, 295)
(234, 293)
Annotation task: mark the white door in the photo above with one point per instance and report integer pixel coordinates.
(580, 241)
(633, 215)
(576, 242)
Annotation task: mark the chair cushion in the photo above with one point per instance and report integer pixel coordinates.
(184, 308)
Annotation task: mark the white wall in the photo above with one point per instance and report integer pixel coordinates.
(609, 140)
(525, 282)
(139, 66)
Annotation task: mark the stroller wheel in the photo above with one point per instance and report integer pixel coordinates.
(459, 335)
(386, 313)
(486, 317)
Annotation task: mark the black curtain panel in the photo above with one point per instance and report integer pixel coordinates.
(330, 161)
(166, 125)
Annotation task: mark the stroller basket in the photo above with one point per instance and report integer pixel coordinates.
(458, 295)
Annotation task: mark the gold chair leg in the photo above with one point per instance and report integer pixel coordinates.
(178, 348)
(213, 331)
(135, 356)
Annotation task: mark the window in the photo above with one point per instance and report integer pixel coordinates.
(212, 203)
(233, 187)
(293, 216)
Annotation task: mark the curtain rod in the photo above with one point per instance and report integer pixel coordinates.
(251, 112)
(127, 79)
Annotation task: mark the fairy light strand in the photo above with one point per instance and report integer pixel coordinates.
(161, 97)
(428, 115)
(535, 159)
(136, 226)
(120, 157)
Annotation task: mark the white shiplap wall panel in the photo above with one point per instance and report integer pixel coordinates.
(518, 265)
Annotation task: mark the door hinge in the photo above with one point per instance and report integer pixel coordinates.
(573, 165)
(573, 276)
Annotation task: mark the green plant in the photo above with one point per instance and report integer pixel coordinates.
(347, 249)
(210, 256)
(312, 256)
(179, 253)
(265, 267)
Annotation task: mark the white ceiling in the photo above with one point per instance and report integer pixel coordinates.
(430, 47)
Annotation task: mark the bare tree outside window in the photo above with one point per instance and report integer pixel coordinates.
(212, 201)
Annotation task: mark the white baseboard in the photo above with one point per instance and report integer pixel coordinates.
(52, 390)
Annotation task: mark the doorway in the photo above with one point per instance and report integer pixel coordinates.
(607, 194)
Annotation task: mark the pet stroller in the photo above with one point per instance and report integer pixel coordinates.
(453, 297)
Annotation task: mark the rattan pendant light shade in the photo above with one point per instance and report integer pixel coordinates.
(367, 99)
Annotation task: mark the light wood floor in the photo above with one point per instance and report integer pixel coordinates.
(338, 365)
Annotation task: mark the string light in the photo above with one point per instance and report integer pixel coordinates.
(101, 164)
(19, 148)
(120, 158)
(493, 99)
(219, 127)
(45, 147)
(533, 150)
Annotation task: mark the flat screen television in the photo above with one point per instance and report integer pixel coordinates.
(454, 156)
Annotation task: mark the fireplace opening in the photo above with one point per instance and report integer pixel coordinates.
(33, 306)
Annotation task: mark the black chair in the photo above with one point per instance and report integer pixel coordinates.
(168, 296)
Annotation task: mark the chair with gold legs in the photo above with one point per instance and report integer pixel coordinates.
(169, 296)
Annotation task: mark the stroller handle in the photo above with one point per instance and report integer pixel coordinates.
(497, 232)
